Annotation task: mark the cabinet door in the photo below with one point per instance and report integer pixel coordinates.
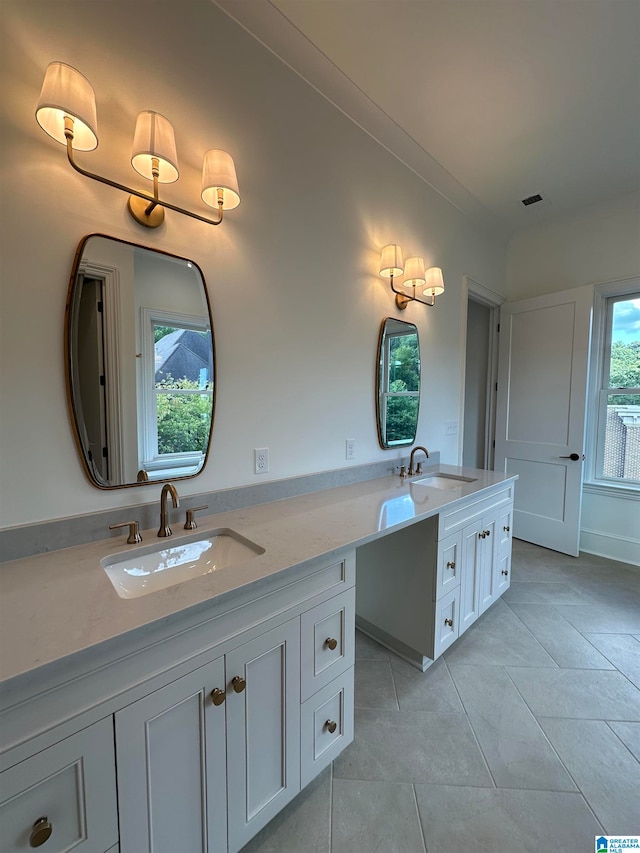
(170, 748)
(263, 729)
(469, 578)
(488, 554)
(447, 627)
(63, 797)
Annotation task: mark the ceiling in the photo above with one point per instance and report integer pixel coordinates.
(488, 101)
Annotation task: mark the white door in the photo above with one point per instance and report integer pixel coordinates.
(542, 381)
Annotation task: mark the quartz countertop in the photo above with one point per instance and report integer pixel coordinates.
(57, 604)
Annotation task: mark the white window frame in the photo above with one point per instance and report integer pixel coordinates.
(604, 296)
(152, 461)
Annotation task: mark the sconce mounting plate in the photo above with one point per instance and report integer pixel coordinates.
(138, 207)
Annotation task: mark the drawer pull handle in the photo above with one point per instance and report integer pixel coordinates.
(331, 725)
(333, 644)
(238, 684)
(449, 622)
(506, 529)
(218, 696)
(451, 564)
(505, 572)
(40, 832)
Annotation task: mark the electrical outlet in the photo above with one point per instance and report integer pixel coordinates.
(261, 459)
(350, 448)
(451, 427)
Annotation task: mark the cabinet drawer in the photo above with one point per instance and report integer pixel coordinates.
(446, 622)
(504, 530)
(329, 709)
(69, 787)
(448, 565)
(327, 642)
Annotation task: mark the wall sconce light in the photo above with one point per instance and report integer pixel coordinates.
(67, 112)
(415, 277)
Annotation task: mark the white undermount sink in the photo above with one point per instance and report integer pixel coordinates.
(161, 565)
(443, 481)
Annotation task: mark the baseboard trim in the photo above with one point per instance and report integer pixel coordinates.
(624, 549)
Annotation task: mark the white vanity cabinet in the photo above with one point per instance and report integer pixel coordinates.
(205, 730)
(420, 588)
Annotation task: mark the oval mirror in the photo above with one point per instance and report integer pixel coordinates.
(140, 363)
(398, 385)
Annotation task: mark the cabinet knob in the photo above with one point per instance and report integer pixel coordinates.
(40, 832)
(218, 696)
(487, 532)
(482, 535)
(238, 683)
(449, 622)
(506, 529)
(505, 572)
(333, 644)
(331, 725)
(451, 564)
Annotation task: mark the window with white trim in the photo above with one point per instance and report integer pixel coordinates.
(177, 380)
(615, 416)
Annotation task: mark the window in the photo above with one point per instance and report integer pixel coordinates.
(616, 401)
(175, 419)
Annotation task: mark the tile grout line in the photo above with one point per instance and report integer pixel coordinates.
(473, 731)
(608, 724)
(415, 802)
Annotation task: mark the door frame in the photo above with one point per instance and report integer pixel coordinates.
(472, 289)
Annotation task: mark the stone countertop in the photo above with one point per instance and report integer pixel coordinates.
(57, 604)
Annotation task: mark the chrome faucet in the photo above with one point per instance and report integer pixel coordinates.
(418, 470)
(167, 489)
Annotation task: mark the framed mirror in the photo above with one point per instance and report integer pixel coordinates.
(140, 360)
(398, 383)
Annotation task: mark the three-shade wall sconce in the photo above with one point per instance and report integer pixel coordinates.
(67, 112)
(416, 278)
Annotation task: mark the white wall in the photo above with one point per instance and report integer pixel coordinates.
(291, 274)
(601, 243)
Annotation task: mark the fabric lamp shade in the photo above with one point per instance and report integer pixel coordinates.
(413, 272)
(434, 282)
(391, 261)
(154, 137)
(67, 92)
(219, 173)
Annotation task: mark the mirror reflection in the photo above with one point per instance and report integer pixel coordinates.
(140, 363)
(398, 386)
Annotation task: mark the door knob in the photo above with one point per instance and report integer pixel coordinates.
(238, 684)
(573, 456)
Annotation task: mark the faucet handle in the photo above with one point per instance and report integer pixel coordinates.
(190, 523)
(134, 531)
(419, 468)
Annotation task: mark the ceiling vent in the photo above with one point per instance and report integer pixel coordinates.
(532, 199)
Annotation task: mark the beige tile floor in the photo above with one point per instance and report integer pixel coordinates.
(525, 736)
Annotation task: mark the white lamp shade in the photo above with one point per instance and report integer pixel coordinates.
(219, 173)
(434, 283)
(67, 92)
(391, 262)
(413, 272)
(154, 137)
